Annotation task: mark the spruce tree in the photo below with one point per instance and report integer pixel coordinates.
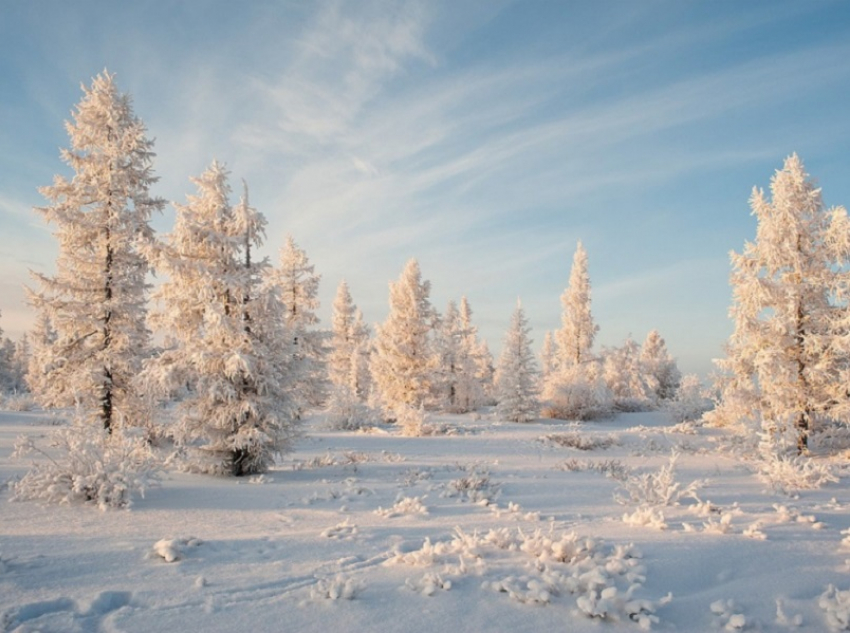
(516, 375)
(298, 285)
(97, 299)
(403, 360)
(659, 367)
(575, 338)
(786, 362)
(228, 342)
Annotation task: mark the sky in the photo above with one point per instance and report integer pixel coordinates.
(483, 138)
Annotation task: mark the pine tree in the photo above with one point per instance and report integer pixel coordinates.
(298, 285)
(226, 328)
(575, 338)
(659, 367)
(96, 300)
(403, 361)
(786, 362)
(516, 376)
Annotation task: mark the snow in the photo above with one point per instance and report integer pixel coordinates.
(490, 527)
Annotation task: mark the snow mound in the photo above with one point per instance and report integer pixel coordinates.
(173, 549)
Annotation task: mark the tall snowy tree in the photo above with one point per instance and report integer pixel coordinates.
(659, 367)
(403, 360)
(229, 341)
(575, 388)
(516, 375)
(575, 338)
(96, 300)
(298, 285)
(787, 359)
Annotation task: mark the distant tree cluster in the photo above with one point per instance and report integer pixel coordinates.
(242, 357)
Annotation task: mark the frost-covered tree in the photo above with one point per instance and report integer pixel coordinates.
(348, 363)
(458, 387)
(485, 372)
(575, 388)
(575, 338)
(40, 361)
(632, 388)
(474, 361)
(298, 285)
(403, 359)
(548, 358)
(659, 367)
(7, 379)
(19, 355)
(516, 375)
(786, 362)
(228, 340)
(97, 299)
(349, 344)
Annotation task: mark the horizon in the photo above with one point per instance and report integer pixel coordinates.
(485, 140)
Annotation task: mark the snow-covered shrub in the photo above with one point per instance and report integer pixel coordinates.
(783, 619)
(428, 584)
(725, 612)
(402, 506)
(580, 442)
(613, 468)
(87, 466)
(836, 604)
(689, 403)
(524, 589)
(656, 488)
(723, 525)
(788, 474)
(345, 412)
(632, 387)
(578, 394)
(337, 588)
(646, 516)
(18, 402)
(411, 420)
(343, 531)
(475, 486)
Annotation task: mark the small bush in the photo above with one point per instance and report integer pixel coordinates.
(580, 442)
(577, 396)
(656, 489)
(690, 402)
(90, 467)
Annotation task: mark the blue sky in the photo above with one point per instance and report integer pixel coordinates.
(483, 138)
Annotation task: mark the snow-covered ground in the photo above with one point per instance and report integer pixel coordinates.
(491, 528)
